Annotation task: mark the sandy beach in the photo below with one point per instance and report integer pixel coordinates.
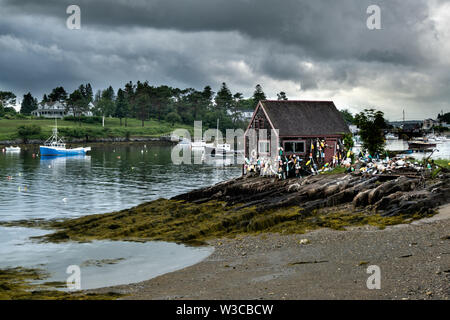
(414, 260)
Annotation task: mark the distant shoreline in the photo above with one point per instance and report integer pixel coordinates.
(162, 139)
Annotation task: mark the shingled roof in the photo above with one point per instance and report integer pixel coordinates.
(305, 118)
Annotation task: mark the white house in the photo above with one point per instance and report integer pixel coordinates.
(242, 114)
(57, 110)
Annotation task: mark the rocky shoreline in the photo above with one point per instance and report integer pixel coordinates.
(252, 205)
(404, 191)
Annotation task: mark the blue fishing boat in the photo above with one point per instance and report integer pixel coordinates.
(55, 146)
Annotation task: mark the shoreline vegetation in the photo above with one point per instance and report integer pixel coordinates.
(88, 132)
(142, 109)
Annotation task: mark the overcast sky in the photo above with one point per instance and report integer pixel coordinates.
(311, 49)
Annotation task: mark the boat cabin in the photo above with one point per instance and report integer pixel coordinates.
(305, 128)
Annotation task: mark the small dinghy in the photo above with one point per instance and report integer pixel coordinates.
(12, 149)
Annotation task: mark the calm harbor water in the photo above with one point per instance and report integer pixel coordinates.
(111, 178)
(442, 149)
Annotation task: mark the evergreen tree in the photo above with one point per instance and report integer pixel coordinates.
(444, 117)
(235, 110)
(44, 100)
(130, 99)
(89, 92)
(224, 99)
(142, 101)
(258, 95)
(208, 94)
(160, 98)
(121, 105)
(28, 104)
(58, 94)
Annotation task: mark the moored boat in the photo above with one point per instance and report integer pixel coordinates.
(391, 136)
(55, 146)
(12, 149)
(198, 144)
(420, 145)
(218, 149)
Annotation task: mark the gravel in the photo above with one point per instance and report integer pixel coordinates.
(414, 261)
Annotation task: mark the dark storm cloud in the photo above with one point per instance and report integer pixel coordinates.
(322, 47)
(328, 29)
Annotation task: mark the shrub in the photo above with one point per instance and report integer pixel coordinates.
(172, 118)
(77, 133)
(28, 131)
(21, 116)
(84, 119)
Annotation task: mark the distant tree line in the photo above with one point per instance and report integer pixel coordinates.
(444, 117)
(143, 101)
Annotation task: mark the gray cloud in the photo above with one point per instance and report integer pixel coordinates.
(324, 47)
(321, 28)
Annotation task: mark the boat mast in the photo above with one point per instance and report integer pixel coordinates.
(217, 132)
(55, 130)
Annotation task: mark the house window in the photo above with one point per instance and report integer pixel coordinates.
(264, 147)
(294, 147)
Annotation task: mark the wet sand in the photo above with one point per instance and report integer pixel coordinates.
(414, 260)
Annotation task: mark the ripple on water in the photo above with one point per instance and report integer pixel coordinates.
(98, 183)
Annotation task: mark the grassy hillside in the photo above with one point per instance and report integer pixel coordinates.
(71, 129)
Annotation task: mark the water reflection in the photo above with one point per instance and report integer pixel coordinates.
(111, 178)
(102, 263)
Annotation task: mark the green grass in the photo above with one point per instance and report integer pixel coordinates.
(71, 129)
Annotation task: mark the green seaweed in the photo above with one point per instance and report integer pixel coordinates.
(20, 284)
(194, 224)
